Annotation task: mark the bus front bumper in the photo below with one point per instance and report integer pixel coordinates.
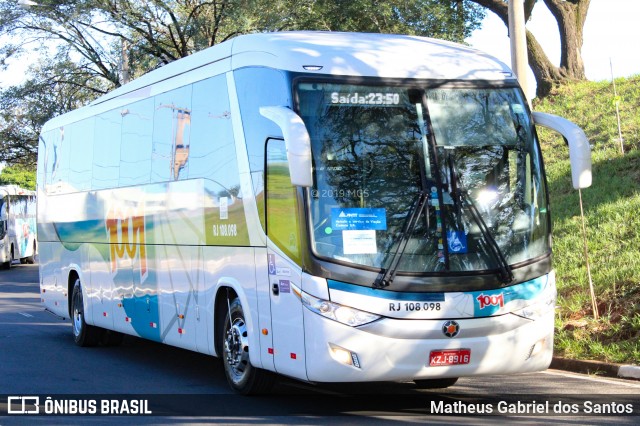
(400, 350)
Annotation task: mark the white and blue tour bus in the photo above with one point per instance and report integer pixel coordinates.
(331, 207)
(18, 239)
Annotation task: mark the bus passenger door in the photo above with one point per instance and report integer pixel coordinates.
(283, 258)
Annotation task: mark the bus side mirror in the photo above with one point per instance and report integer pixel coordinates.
(297, 142)
(579, 150)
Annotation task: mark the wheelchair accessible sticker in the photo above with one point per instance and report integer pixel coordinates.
(358, 219)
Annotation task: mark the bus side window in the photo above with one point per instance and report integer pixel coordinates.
(80, 172)
(282, 208)
(136, 143)
(171, 135)
(106, 149)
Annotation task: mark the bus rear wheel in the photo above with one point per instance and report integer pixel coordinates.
(243, 377)
(83, 333)
(435, 383)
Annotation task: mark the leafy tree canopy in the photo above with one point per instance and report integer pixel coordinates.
(89, 47)
(18, 175)
(570, 16)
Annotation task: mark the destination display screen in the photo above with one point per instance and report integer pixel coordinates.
(370, 98)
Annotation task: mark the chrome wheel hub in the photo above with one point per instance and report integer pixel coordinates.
(236, 349)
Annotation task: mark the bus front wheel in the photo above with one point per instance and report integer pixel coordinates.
(83, 333)
(243, 377)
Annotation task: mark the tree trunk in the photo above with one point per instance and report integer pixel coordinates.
(546, 74)
(570, 16)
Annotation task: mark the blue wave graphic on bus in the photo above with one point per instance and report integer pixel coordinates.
(145, 316)
(484, 303)
(489, 302)
(142, 311)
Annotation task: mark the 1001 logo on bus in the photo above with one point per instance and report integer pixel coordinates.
(126, 233)
(490, 300)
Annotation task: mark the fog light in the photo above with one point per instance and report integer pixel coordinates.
(344, 356)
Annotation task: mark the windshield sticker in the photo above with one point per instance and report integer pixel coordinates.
(517, 108)
(435, 202)
(359, 242)
(457, 241)
(358, 219)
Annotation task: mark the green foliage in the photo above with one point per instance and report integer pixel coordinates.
(448, 20)
(17, 175)
(158, 32)
(612, 214)
(86, 45)
(55, 88)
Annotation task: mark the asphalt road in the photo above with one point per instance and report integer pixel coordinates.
(38, 358)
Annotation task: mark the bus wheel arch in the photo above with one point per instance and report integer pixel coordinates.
(232, 345)
(221, 306)
(71, 281)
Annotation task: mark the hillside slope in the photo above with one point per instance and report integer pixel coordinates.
(612, 213)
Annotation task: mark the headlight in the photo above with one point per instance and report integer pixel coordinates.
(344, 314)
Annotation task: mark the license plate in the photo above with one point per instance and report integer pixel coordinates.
(449, 357)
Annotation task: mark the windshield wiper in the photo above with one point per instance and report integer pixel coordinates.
(387, 275)
(505, 274)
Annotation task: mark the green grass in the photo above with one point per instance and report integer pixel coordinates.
(612, 215)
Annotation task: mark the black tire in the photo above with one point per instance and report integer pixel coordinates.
(83, 333)
(243, 377)
(435, 383)
(111, 338)
(7, 265)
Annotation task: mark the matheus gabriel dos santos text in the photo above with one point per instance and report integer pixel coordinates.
(546, 407)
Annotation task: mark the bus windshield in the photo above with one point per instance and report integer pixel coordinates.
(463, 160)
